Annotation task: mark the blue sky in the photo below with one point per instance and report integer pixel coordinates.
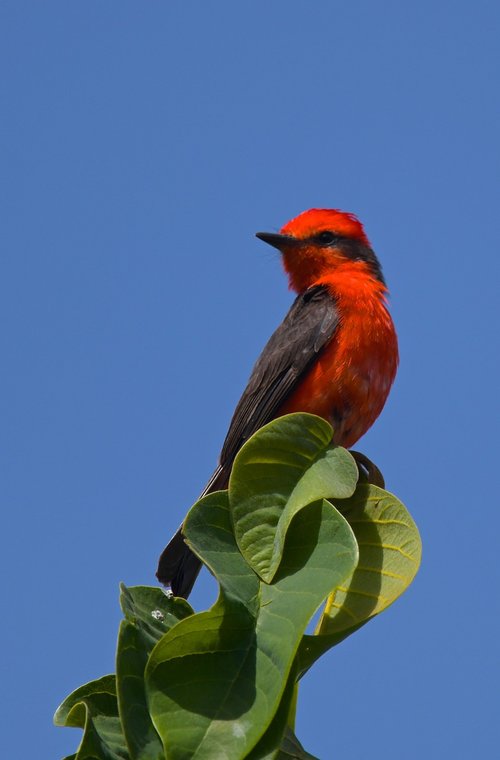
(143, 145)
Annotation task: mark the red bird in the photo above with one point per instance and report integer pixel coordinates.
(335, 354)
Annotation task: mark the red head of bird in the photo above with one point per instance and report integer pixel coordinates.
(320, 241)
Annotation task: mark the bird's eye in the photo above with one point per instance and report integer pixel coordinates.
(325, 238)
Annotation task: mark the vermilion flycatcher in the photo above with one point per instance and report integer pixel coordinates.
(335, 354)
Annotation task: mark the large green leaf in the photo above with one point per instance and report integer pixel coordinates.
(94, 708)
(389, 557)
(149, 613)
(216, 680)
(286, 465)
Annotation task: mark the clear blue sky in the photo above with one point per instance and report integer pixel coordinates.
(143, 145)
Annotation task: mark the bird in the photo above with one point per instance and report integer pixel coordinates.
(334, 355)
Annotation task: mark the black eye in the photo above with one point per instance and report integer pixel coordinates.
(325, 238)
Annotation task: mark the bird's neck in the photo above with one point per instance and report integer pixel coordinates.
(354, 284)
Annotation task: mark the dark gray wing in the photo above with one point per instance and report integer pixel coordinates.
(293, 347)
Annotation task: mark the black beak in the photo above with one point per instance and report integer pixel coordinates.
(276, 240)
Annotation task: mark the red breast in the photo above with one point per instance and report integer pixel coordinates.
(350, 380)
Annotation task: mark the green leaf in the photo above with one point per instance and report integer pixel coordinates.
(151, 608)
(216, 680)
(72, 711)
(94, 708)
(389, 557)
(149, 614)
(268, 745)
(390, 553)
(286, 465)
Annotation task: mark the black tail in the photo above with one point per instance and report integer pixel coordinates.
(178, 567)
